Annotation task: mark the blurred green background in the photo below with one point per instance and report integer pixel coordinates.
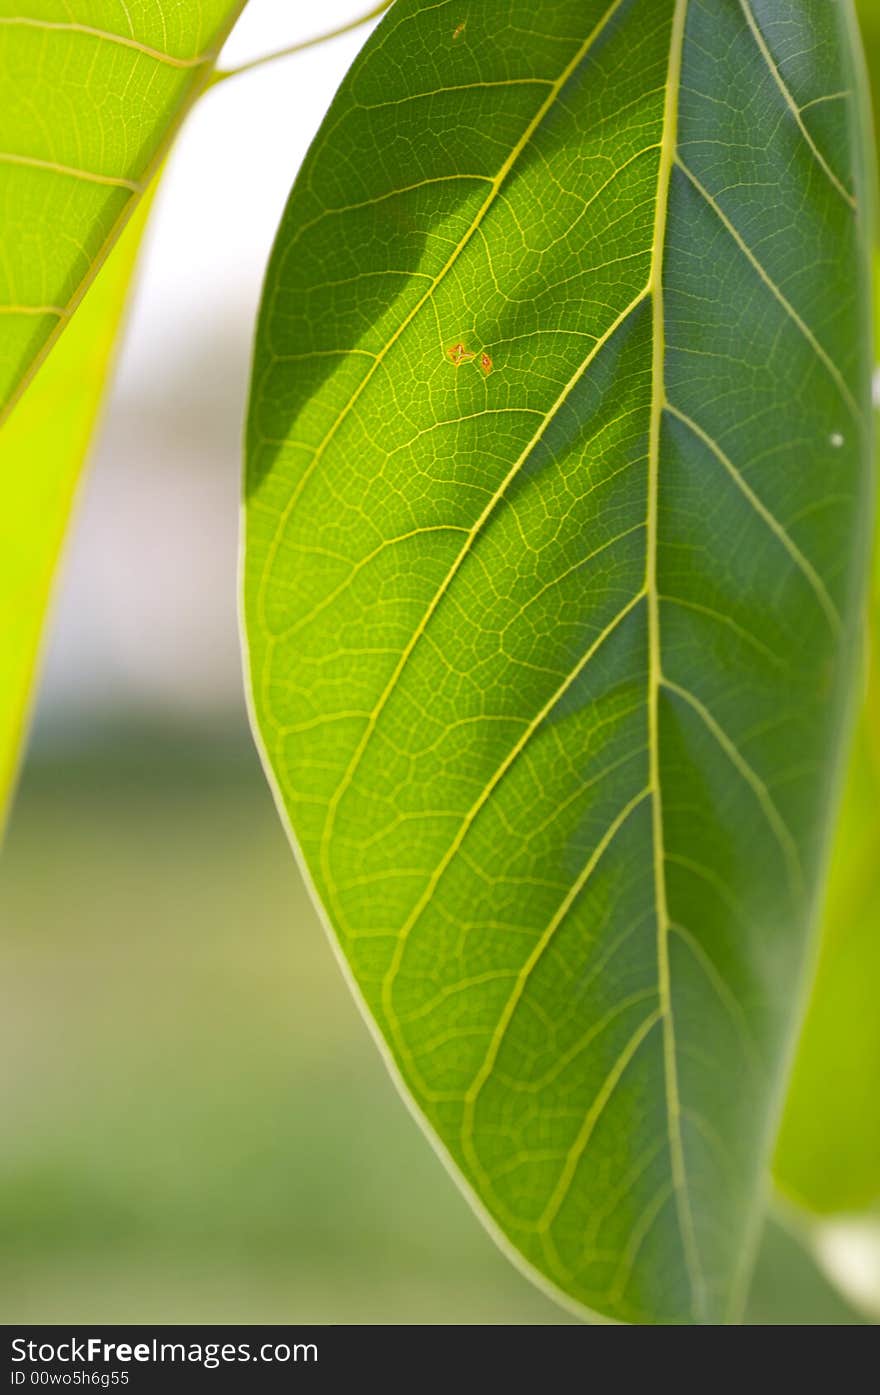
(197, 1126)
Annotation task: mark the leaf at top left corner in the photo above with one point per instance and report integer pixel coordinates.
(90, 96)
(43, 447)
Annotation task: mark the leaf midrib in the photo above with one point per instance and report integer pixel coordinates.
(687, 1246)
(668, 149)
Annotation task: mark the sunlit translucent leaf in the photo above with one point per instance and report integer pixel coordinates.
(556, 534)
(89, 97)
(42, 447)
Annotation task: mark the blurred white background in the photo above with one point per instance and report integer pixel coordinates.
(146, 606)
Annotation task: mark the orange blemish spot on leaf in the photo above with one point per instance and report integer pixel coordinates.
(457, 354)
(459, 30)
(486, 363)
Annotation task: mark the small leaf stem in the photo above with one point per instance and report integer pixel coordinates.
(221, 74)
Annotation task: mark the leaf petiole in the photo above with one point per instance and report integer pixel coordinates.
(221, 74)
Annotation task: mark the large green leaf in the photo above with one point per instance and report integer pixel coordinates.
(42, 448)
(91, 94)
(558, 469)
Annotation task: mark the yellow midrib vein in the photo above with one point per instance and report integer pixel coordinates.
(658, 397)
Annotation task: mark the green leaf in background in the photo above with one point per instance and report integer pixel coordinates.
(90, 96)
(42, 448)
(557, 482)
(828, 1156)
(829, 1148)
(789, 1287)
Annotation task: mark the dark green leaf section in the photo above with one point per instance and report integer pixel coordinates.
(556, 501)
